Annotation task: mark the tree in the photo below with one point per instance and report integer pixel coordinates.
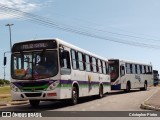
(1, 82)
(7, 82)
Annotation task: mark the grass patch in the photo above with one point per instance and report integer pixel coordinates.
(5, 95)
(5, 90)
(5, 99)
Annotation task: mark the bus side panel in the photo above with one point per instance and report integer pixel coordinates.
(136, 82)
(149, 79)
(116, 87)
(66, 91)
(92, 83)
(79, 76)
(106, 84)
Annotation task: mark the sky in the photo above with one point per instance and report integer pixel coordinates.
(121, 29)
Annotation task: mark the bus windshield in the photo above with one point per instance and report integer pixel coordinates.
(34, 65)
(114, 70)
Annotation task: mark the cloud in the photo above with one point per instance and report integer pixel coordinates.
(23, 5)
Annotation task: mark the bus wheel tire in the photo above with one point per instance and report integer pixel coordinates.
(34, 103)
(145, 86)
(127, 90)
(100, 92)
(74, 99)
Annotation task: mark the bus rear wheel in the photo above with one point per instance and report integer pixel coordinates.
(145, 86)
(74, 99)
(100, 91)
(100, 95)
(34, 103)
(128, 87)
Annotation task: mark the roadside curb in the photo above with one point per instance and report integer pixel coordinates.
(3, 104)
(14, 103)
(18, 103)
(150, 106)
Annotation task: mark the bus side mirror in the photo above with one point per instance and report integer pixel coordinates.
(5, 61)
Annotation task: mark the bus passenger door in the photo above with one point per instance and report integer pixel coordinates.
(122, 77)
(65, 71)
(122, 71)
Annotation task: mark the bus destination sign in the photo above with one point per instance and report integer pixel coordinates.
(34, 45)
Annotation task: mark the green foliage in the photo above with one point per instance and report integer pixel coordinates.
(1, 82)
(7, 82)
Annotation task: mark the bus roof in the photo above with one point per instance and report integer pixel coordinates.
(80, 49)
(131, 61)
(59, 41)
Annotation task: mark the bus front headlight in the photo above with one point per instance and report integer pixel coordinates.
(14, 88)
(53, 86)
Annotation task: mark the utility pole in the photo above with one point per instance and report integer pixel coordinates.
(10, 34)
(10, 37)
(4, 74)
(4, 63)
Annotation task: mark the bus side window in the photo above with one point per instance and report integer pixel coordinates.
(99, 65)
(140, 66)
(145, 70)
(131, 68)
(122, 71)
(65, 62)
(138, 69)
(74, 59)
(94, 64)
(87, 63)
(151, 70)
(80, 61)
(104, 67)
(128, 69)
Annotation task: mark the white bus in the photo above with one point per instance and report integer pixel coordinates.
(126, 75)
(52, 69)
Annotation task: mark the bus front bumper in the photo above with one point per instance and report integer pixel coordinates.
(45, 95)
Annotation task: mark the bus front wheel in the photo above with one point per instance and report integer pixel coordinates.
(34, 103)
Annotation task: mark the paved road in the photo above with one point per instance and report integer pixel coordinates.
(114, 101)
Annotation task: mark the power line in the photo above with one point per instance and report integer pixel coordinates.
(50, 23)
(157, 40)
